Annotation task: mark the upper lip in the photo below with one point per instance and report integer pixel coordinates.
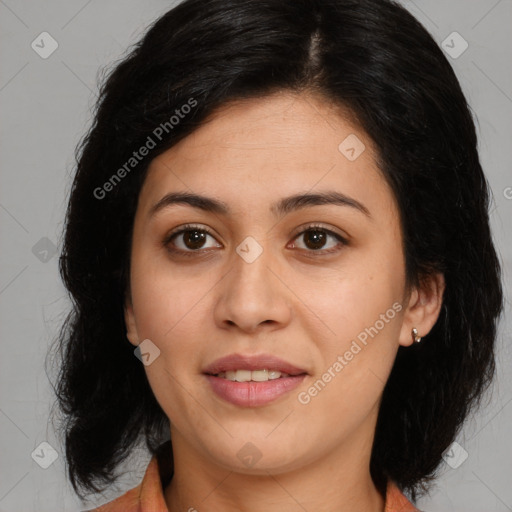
(252, 362)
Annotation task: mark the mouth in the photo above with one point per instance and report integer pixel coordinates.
(252, 381)
(263, 366)
(252, 375)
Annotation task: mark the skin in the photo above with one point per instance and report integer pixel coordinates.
(292, 301)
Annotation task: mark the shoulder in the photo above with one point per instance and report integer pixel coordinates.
(128, 502)
(396, 501)
(148, 496)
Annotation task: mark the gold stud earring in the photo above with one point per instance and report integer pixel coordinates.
(415, 336)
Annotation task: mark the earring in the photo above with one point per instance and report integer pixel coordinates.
(415, 336)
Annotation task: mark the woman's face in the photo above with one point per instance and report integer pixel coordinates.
(318, 284)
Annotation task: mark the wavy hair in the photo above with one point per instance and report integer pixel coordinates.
(373, 58)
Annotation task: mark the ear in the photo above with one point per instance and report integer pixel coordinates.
(129, 320)
(423, 308)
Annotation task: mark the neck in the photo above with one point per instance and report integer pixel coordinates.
(338, 482)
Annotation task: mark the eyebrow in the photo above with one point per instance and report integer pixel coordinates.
(280, 208)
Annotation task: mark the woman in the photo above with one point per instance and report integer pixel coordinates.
(278, 248)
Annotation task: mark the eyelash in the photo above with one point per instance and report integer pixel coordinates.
(191, 227)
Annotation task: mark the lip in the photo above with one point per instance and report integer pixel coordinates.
(252, 362)
(253, 394)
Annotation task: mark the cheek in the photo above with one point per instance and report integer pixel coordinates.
(362, 308)
(170, 309)
(350, 300)
(357, 359)
(167, 300)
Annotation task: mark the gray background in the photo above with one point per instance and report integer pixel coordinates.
(46, 108)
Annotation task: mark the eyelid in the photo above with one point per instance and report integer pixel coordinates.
(187, 227)
(320, 226)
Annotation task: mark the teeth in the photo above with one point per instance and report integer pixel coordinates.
(248, 375)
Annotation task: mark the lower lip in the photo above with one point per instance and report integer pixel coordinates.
(253, 394)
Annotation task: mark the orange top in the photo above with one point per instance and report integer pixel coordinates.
(148, 496)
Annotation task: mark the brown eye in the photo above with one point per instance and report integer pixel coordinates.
(194, 239)
(316, 238)
(189, 239)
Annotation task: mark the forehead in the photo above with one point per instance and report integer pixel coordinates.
(253, 151)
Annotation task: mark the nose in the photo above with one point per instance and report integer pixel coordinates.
(252, 295)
